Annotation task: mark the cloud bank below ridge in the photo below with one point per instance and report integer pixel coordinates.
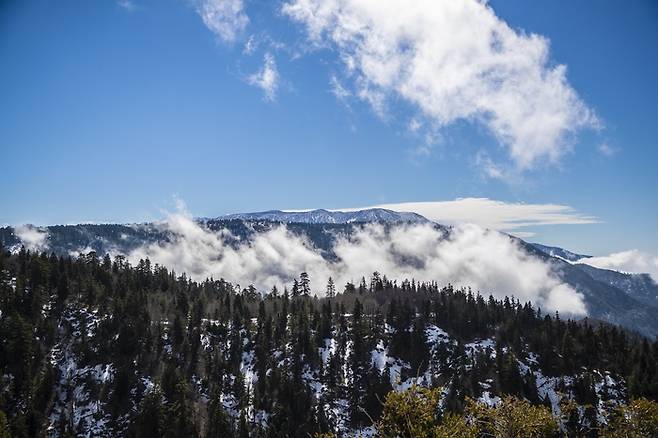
(469, 256)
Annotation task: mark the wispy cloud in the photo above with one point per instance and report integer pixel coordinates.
(496, 215)
(490, 168)
(421, 152)
(267, 78)
(225, 18)
(338, 89)
(607, 150)
(454, 60)
(251, 45)
(128, 5)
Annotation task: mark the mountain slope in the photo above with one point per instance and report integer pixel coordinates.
(559, 252)
(640, 287)
(609, 296)
(106, 349)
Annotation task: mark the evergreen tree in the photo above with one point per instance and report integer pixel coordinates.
(304, 284)
(150, 419)
(295, 288)
(331, 288)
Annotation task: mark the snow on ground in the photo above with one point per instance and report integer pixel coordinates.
(73, 402)
(205, 341)
(312, 381)
(261, 418)
(436, 335)
(481, 346)
(607, 388)
(365, 432)
(247, 369)
(381, 360)
(328, 349)
(338, 414)
(610, 393)
(488, 399)
(380, 356)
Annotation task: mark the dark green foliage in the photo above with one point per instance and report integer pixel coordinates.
(208, 359)
(151, 416)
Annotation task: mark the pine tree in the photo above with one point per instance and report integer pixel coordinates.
(304, 284)
(180, 417)
(359, 362)
(331, 288)
(150, 419)
(5, 432)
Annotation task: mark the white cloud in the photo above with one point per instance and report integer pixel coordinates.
(607, 150)
(495, 215)
(469, 256)
(268, 259)
(633, 261)
(225, 18)
(454, 60)
(128, 5)
(492, 169)
(338, 90)
(33, 238)
(267, 78)
(250, 46)
(421, 152)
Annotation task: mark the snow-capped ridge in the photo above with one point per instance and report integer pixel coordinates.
(560, 253)
(322, 216)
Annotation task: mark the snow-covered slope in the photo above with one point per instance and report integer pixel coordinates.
(562, 253)
(77, 403)
(322, 216)
(640, 287)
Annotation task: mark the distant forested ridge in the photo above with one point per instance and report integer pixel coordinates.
(630, 300)
(92, 346)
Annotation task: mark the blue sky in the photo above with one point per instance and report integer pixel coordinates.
(108, 109)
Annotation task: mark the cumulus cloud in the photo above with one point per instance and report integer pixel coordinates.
(225, 18)
(267, 78)
(488, 213)
(33, 238)
(469, 256)
(633, 261)
(453, 60)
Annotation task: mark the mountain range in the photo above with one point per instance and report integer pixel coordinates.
(321, 216)
(630, 300)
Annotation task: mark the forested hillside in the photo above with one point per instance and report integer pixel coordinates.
(628, 300)
(92, 346)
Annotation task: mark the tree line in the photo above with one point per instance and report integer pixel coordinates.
(209, 358)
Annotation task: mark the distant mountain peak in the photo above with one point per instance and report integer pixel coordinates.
(561, 253)
(322, 216)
